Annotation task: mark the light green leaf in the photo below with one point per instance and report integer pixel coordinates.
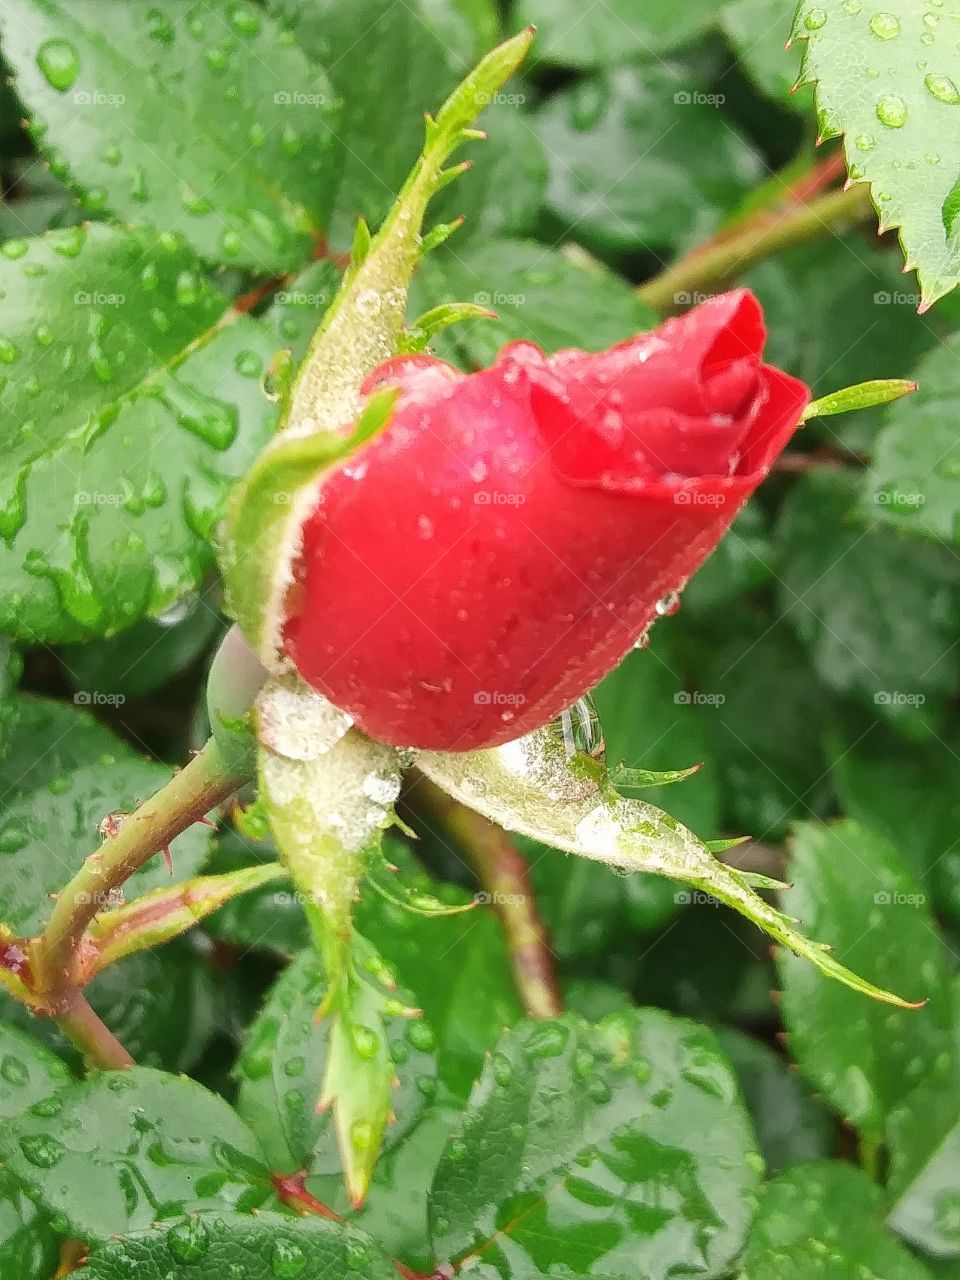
(853, 888)
(125, 1149)
(824, 1219)
(887, 79)
(210, 1246)
(129, 410)
(616, 1150)
(28, 1071)
(204, 117)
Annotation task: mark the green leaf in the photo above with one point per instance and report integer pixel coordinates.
(51, 739)
(268, 919)
(854, 888)
(865, 395)
(643, 159)
(204, 116)
(878, 613)
(127, 1148)
(28, 1071)
(148, 655)
(39, 202)
(128, 414)
(613, 1149)
(367, 45)
(457, 967)
(887, 80)
(791, 1125)
(608, 34)
(29, 1248)
(914, 481)
(757, 31)
(283, 1064)
(824, 1219)
(48, 835)
(164, 1006)
(540, 295)
(923, 1133)
(772, 769)
(905, 792)
(214, 1245)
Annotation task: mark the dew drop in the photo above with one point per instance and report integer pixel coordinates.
(892, 111)
(362, 1135)
(188, 1241)
(41, 1150)
(14, 248)
(244, 19)
(231, 243)
(365, 1041)
(885, 26)
(421, 1036)
(187, 289)
(43, 335)
(59, 63)
(943, 89)
(248, 363)
(502, 1070)
(668, 605)
(287, 1259)
(14, 1071)
(9, 351)
(815, 19)
(13, 838)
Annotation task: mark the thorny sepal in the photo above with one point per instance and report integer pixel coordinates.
(362, 327)
(166, 913)
(360, 1075)
(328, 792)
(532, 786)
(421, 333)
(383, 878)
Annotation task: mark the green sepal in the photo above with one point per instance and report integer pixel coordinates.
(265, 515)
(166, 913)
(624, 778)
(440, 234)
(531, 786)
(865, 395)
(236, 677)
(422, 332)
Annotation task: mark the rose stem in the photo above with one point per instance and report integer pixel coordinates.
(711, 267)
(505, 877)
(190, 794)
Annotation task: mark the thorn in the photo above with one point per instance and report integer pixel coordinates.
(207, 822)
(167, 858)
(788, 45)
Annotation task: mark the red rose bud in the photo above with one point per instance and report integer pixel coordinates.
(505, 541)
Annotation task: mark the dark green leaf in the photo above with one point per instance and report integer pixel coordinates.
(824, 1219)
(129, 413)
(267, 919)
(914, 483)
(608, 34)
(853, 888)
(877, 612)
(46, 840)
(643, 159)
(791, 1125)
(28, 1245)
(539, 294)
(744, 560)
(39, 202)
(616, 1150)
(772, 768)
(388, 66)
(214, 1246)
(283, 1065)
(757, 30)
(201, 116)
(887, 80)
(128, 1148)
(51, 739)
